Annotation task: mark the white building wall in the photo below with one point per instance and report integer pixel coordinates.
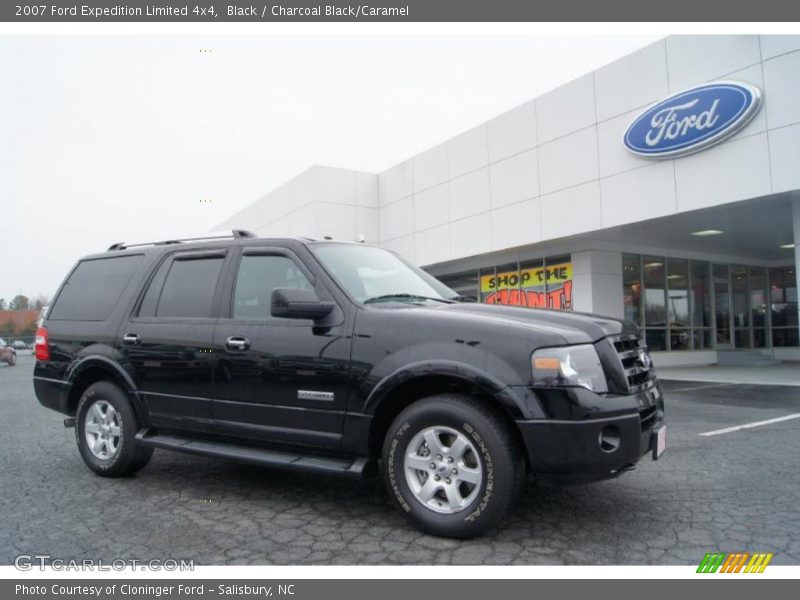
(597, 280)
(320, 201)
(556, 166)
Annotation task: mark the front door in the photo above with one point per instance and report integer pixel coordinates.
(722, 307)
(278, 380)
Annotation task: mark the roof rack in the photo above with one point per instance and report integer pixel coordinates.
(236, 234)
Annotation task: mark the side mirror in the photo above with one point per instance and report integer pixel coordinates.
(293, 303)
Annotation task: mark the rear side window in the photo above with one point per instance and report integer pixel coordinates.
(93, 288)
(183, 288)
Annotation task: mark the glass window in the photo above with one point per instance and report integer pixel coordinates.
(742, 338)
(466, 283)
(533, 283)
(655, 310)
(632, 287)
(558, 277)
(741, 296)
(150, 301)
(702, 339)
(656, 339)
(722, 309)
(783, 337)
(783, 296)
(368, 272)
(189, 288)
(93, 288)
(678, 304)
(758, 305)
(783, 306)
(257, 277)
(701, 295)
(488, 285)
(678, 283)
(501, 285)
(758, 296)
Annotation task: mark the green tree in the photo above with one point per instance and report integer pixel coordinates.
(19, 302)
(2, 303)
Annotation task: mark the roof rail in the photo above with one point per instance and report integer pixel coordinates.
(236, 234)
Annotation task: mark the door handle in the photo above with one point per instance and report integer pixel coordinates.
(236, 343)
(132, 339)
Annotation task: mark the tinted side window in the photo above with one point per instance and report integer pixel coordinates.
(150, 301)
(93, 288)
(188, 289)
(257, 277)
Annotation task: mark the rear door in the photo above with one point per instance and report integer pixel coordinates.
(168, 339)
(278, 380)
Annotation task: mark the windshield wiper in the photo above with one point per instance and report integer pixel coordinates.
(404, 296)
(461, 298)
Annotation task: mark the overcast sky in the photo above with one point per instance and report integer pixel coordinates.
(105, 139)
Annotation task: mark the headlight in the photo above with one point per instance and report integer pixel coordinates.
(569, 366)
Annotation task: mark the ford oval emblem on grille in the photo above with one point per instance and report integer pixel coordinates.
(693, 120)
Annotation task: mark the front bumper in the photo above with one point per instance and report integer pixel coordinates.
(598, 437)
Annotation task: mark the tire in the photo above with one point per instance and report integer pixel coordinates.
(12, 361)
(492, 468)
(118, 454)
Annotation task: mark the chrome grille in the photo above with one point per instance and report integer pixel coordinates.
(635, 362)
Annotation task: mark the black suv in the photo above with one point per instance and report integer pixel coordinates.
(341, 358)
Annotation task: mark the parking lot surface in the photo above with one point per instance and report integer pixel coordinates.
(736, 491)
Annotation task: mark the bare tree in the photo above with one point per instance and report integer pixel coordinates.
(40, 302)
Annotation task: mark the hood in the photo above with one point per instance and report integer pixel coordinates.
(575, 328)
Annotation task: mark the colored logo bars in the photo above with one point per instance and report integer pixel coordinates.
(735, 562)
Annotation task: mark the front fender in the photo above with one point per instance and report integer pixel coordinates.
(519, 405)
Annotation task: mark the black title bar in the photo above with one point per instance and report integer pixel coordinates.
(209, 11)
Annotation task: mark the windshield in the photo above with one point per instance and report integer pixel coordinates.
(372, 274)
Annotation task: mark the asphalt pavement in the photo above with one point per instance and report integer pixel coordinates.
(735, 491)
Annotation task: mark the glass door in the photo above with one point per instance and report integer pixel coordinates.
(740, 307)
(722, 307)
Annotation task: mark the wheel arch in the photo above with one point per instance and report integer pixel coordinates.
(92, 369)
(408, 385)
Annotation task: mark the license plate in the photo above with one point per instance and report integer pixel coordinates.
(659, 441)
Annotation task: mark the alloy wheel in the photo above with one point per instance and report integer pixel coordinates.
(443, 470)
(102, 430)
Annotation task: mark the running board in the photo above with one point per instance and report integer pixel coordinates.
(355, 469)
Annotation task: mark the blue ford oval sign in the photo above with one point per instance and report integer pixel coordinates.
(693, 120)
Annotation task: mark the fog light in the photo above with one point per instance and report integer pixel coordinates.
(609, 439)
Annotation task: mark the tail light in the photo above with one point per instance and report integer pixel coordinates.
(42, 344)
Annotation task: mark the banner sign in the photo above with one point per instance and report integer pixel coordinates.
(537, 287)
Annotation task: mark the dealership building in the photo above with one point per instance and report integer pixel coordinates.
(663, 188)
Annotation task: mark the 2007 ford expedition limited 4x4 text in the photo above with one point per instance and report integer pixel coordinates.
(341, 358)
